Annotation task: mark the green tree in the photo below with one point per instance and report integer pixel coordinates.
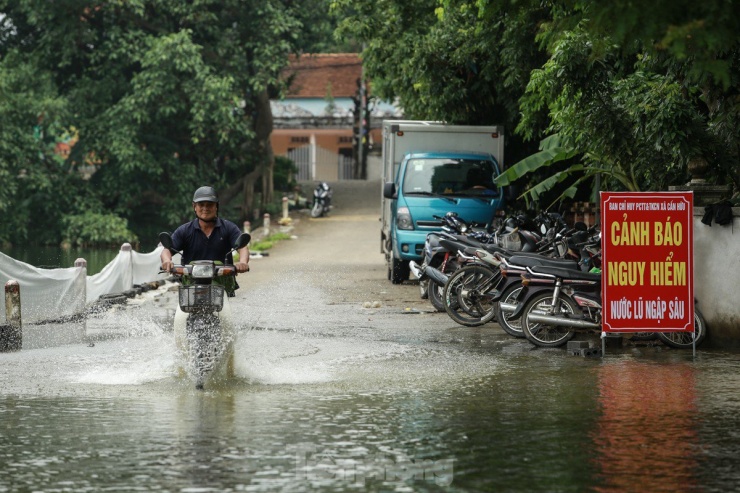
(166, 96)
(449, 59)
(626, 91)
(634, 102)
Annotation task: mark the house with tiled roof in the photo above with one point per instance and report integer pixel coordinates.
(313, 124)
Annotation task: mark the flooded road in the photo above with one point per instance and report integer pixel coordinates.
(332, 396)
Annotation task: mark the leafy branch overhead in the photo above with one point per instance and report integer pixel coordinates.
(164, 95)
(632, 91)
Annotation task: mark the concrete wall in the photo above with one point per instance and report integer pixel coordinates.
(717, 278)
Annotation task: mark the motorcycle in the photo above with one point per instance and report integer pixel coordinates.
(441, 254)
(555, 304)
(204, 333)
(321, 200)
(578, 251)
(436, 254)
(467, 293)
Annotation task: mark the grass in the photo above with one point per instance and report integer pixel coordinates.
(267, 243)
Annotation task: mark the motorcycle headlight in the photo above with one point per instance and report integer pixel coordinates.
(203, 271)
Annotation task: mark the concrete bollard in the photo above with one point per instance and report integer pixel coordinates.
(247, 227)
(11, 334)
(82, 263)
(285, 207)
(266, 225)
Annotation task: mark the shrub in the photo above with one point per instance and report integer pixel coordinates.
(94, 229)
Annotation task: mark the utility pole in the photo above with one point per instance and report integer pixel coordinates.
(364, 128)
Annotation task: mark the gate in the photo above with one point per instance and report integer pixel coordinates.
(317, 163)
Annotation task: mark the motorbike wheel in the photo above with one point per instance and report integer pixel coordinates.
(317, 209)
(543, 335)
(684, 340)
(466, 295)
(424, 288)
(436, 296)
(436, 292)
(511, 327)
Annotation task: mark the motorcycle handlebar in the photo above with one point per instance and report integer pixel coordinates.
(218, 270)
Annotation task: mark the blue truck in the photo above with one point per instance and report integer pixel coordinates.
(429, 169)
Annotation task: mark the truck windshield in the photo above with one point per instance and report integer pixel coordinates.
(445, 176)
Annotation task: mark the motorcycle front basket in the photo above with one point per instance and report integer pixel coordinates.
(201, 297)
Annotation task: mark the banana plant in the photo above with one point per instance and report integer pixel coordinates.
(554, 149)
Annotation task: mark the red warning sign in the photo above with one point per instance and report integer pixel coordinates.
(647, 265)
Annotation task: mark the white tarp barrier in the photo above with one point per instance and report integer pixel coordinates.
(48, 294)
(146, 265)
(45, 293)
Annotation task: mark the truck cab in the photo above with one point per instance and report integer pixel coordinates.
(432, 168)
(431, 184)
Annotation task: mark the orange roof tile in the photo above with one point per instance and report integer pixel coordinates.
(316, 74)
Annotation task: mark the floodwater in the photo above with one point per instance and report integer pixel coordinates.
(318, 408)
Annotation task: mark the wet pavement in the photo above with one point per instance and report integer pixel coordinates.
(346, 382)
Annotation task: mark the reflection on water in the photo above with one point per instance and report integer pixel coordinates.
(313, 413)
(646, 437)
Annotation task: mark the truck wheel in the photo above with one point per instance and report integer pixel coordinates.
(399, 271)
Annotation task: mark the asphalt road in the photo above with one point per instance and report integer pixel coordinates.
(329, 282)
(332, 270)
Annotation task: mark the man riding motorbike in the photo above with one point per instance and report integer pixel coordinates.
(207, 237)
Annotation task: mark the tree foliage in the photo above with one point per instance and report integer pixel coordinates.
(164, 96)
(631, 92)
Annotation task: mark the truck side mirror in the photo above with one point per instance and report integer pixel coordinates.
(389, 190)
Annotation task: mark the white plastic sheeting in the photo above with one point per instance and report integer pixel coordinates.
(48, 294)
(45, 293)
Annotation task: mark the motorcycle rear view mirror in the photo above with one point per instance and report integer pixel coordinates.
(166, 240)
(580, 226)
(242, 241)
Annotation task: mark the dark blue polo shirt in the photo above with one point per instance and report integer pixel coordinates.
(195, 245)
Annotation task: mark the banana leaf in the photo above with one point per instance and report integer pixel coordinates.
(553, 149)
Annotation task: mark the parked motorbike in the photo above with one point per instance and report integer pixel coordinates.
(576, 250)
(204, 332)
(442, 250)
(440, 256)
(468, 292)
(321, 200)
(556, 303)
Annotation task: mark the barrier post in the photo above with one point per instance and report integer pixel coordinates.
(11, 335)
(81, 263)
(266, 225)
(128, 281)
(285, 207)
(247, 227)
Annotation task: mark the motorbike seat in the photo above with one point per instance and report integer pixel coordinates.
(540, 261)
(576, 275)
(495, 249)
(454, 245)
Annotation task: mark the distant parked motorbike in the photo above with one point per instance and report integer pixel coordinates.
(204, 333)
(321, 200)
